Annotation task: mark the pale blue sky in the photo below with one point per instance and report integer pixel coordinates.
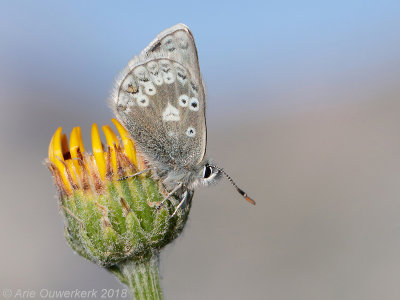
(271, 53)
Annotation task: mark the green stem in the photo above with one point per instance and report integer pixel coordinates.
(142, 277)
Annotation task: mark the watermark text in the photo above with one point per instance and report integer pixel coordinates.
(63, 294)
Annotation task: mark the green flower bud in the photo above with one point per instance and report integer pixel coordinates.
(110, 218)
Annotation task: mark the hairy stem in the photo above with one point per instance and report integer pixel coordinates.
(142, 277)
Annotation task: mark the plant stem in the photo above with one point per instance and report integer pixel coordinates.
(142, 277)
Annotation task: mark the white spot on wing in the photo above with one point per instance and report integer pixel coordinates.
(150, 89)
(142, 100)
(129, 106)
(194, 104)
(152, 66)
(155, 73)
(143, 77)
(169, 78)
(167, 72)
(123, 99)
(191, 132)
(181, 74)
(141, 73)
(183, 100)
(168, 43)
(171, 113)
(126, 101)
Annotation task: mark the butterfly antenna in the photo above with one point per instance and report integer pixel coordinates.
(240, 191)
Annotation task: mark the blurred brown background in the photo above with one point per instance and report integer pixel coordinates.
(303, 112)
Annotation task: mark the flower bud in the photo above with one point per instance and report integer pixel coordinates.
(109, 216)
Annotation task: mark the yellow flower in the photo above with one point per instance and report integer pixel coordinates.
(109, 216)
(74, 169)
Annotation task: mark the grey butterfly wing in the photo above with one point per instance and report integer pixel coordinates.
(160, 100)
(178, 43)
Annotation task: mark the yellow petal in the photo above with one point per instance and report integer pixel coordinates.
(111, 141)
(57, 147)
(56, 156)
(66, 155)
(98, 151)
(110, 136)
(129, 146)
(51, 152)
(76, 143)
(81, 146)
(71, 167)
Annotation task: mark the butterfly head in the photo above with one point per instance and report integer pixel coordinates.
(203, 174)
(209, 173)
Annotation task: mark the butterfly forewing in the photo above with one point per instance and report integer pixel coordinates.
(178, 43)
(160, 100)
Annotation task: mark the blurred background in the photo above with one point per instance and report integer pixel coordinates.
(303, 112)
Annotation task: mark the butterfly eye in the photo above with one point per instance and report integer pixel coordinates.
(194, 104)
(207, 171)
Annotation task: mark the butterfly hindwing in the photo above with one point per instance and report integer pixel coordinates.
(161, 105)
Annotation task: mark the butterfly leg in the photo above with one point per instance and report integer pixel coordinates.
(136, 174)
(170, 194)
(180, 203)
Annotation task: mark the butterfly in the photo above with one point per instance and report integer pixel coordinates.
(160, 99)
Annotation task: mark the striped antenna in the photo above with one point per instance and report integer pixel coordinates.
(240, 191)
